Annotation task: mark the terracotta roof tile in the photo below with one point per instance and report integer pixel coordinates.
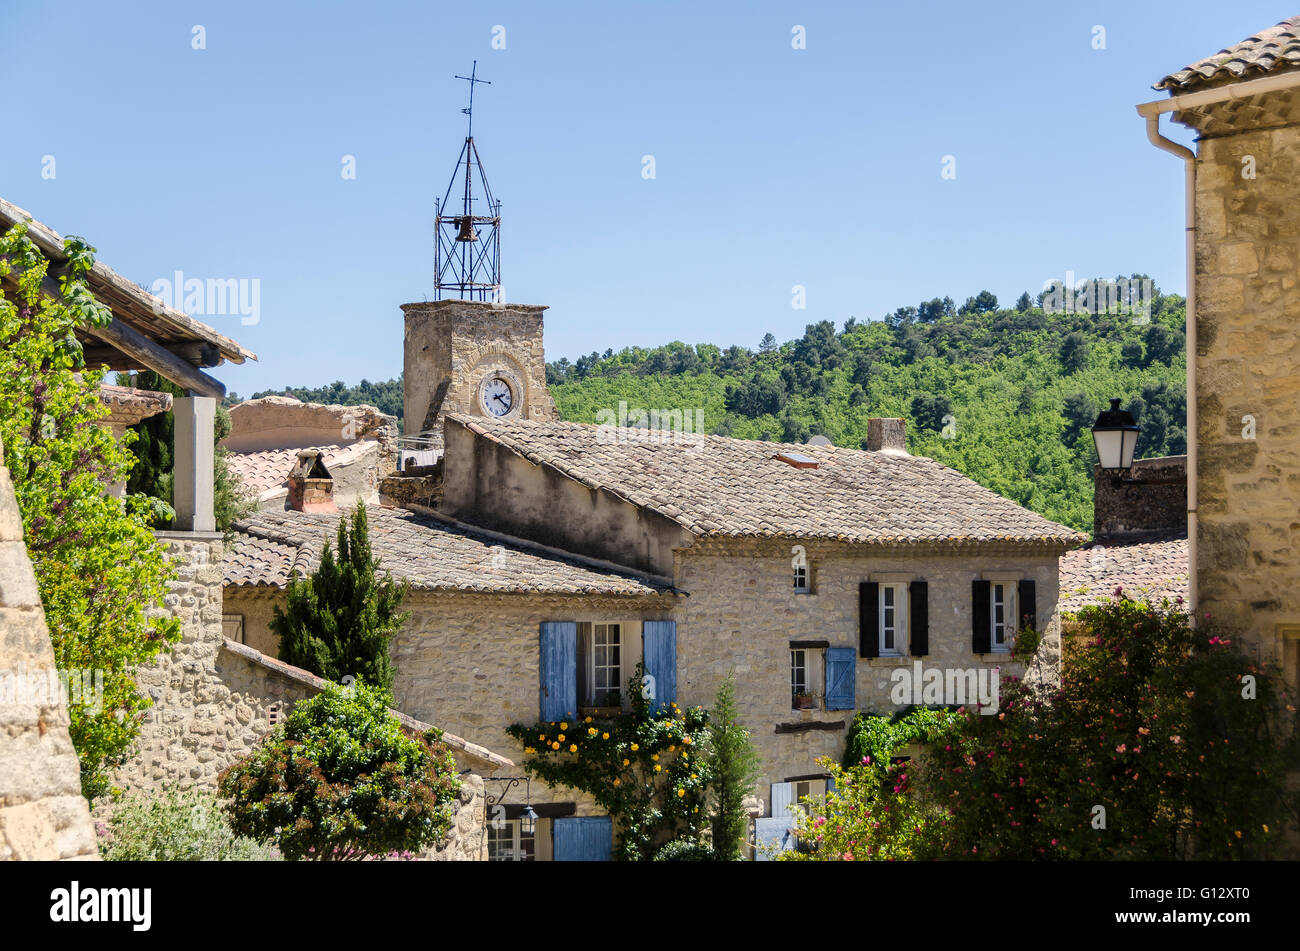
(714, 485)
(432, 553)
(268, 469)
(1148, 569)
(1273, 50)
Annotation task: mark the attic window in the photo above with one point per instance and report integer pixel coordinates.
(798, 460)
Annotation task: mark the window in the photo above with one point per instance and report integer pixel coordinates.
(232, 626)
(799, 565)
(798, 674)
(893, 620)
(1001, 614)
(507, 842)
(602, 648)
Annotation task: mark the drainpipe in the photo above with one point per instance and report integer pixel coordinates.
(1151, 111)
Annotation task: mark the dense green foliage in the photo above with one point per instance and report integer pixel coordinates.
(99, 569)
(734, 766)
(1004, 395)
(1163, 742)
(879, 738)
(341, 781)
(648, 769)
(385, 396)
(152, 448)
(175, 827)
(338, 623)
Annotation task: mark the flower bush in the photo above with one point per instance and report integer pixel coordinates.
(647, 769)
(174, 827)
(341, 781)
(1164, 741)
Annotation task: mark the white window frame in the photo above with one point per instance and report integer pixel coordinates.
(1008, 625)
(900, 608)
(508, 833)
(799, 661)
(589, 661)
(799, 568)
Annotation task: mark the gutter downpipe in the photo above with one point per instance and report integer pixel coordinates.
(1151, 111)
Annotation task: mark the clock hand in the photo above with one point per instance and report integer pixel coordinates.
(502, 400)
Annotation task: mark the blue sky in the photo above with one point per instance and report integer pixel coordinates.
(774, 167)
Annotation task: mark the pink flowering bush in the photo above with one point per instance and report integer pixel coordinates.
(1164, 742)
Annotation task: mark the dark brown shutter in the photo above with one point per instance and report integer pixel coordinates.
(1027, 600)
(868, 619)
(918, 599)
(981, 626)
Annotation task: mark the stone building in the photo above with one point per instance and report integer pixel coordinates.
(1243, 266)
(811, 573)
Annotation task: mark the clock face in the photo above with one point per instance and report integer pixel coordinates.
(498, 397)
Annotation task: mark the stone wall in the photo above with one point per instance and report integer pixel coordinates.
(282, 422)
(1248, 386)
(215, 700)
(452, 345)
(1159, 506)
(42, 812)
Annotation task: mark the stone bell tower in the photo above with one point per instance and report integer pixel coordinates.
(476, 358)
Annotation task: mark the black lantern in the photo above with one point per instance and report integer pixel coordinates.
(1115, 434)
(528, 820)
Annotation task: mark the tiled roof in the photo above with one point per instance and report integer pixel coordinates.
(260, 471)
(718, 486)
(432, 553)
(1274, 49)
(1148, 569)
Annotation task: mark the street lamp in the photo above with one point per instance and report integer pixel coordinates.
(528, 820)
(1115, 434)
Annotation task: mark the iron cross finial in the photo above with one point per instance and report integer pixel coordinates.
(472, 78)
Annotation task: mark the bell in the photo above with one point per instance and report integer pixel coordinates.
(466, 229)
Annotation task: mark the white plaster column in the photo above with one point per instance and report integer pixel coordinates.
(194, 460)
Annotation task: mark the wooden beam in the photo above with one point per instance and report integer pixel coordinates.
(809, 726)
(196, 354)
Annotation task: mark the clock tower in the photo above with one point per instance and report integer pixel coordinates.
(477, 358)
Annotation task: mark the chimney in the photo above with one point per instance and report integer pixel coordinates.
(887, 435)
(311, 488)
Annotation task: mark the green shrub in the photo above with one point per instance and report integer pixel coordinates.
(685, 850)
(341, 781)
(175, 827)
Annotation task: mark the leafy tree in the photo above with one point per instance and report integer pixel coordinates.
(339, 622)
(1133, 353)
(1074, 352)
(1023, 302)
(767, 344)
(928, 411)
(100, 571)
(1080, 414)
(733, 762)
(1162, 343)
(340, 781)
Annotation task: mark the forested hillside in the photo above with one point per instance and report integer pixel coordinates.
(1005, 395)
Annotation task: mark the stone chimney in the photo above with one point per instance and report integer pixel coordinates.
(1150, 501)
(311, 488)
(887, 435)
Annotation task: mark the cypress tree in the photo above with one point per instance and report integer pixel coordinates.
(734, 763)
(339, 621)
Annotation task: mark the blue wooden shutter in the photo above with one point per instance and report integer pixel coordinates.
(841, 668)
(660, 652)
(558, 669)
(583, 839)
(772, 832)
(782, 800)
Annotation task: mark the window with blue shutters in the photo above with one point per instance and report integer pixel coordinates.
(583, 839)
(659, 651)
(841, 671)
(558, 669)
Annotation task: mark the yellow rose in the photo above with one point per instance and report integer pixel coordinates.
(618, 782)
(658, 768)
(555, 746)
(573, 747)
(564, 726)
(686, 740)
(604, 736)
(693, 776)
(680, 792)
(542, 738)
(591, 731)
(672, 749)
(635, 747)
(655, 757)
(626, 762)
(529, 749)
(561, 737)
(588, 720)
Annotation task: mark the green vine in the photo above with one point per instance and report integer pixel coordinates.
(648, 769)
